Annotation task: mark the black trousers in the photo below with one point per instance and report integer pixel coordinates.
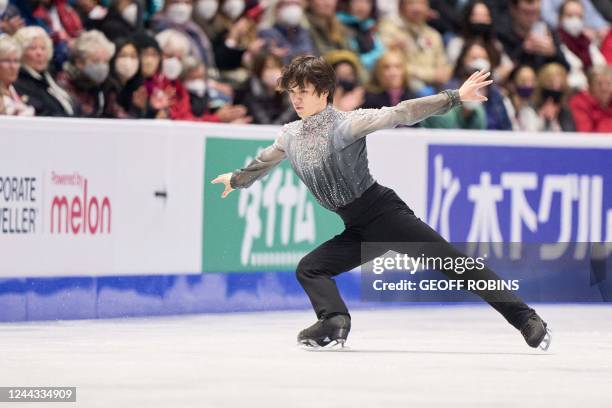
(380, 216)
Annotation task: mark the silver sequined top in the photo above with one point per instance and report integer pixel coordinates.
(328, 150)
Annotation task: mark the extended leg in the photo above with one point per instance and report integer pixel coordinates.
(401, 225)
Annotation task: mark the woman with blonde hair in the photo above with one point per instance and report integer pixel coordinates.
(35, 82)
(390, 81)
(10, 101)
(550, 99)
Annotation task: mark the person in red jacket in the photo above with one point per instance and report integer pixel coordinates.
(592, 109)
(167, 95)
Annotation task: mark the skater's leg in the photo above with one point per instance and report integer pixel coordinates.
(401, 225)
(316, 269)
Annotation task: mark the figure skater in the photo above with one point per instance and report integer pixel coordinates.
(327, 150)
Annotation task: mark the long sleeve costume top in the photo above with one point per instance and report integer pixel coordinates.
(328, 150)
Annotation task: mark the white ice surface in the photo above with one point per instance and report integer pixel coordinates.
(423, 356)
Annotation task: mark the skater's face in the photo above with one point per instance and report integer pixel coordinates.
(305, 100)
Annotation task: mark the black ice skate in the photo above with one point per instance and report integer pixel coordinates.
(326, 333)
(536, 334)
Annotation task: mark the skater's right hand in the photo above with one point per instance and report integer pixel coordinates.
(225, 179)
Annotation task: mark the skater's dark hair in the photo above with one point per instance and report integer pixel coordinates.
(309, 69)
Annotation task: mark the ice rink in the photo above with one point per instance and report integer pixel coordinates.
(421, 356)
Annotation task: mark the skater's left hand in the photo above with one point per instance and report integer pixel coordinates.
(469, 90)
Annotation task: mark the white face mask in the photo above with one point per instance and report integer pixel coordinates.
(572, 25)
(233, 8)
(3, 6)
(196, 86)
(130, 14)
(172, 68)
(97, 13)
(480, 64)
(207, 9)
(179, 13)
(290, 15)
(126, 67)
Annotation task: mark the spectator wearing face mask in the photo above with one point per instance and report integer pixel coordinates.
(596, 24)
(287, 33)
(360, 19)
(421, 44)
(519, 102)
(167, 94)
(122, 18)
(326, 30)
(527, 39)
(264, 103)
(476, 57)
(11, 102)
(195, 81)
(389, 84)
(204, 13)
(84, 75)
(35, 83)
(124, 79)
(201, 96)
(477, 24)
(350, 93)
(235, 42)
(91, 13)
(579, 51)
(550, 99)
(141, 102)
(592, 109)
(177, 15)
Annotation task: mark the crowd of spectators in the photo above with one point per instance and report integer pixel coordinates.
(219, 60)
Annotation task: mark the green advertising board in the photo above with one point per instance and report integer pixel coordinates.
(269, 226)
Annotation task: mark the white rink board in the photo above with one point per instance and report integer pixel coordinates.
(125, 162)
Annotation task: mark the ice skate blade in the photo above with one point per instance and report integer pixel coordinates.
(545, 343)
(335, 345)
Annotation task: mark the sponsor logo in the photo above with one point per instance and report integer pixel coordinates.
(78, 211)
(521, 194)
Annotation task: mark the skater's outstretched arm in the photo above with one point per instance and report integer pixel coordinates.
(261, 165)
(361, 122)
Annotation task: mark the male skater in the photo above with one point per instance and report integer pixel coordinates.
(327, 150)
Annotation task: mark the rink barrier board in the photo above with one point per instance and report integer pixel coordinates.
(158, 213)
(154, 295)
